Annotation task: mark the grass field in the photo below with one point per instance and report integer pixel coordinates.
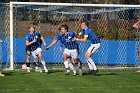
(107, 81)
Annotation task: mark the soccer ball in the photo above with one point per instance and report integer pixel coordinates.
(24, 67)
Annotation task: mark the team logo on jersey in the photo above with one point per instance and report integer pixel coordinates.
(36, 37)
(68, 39)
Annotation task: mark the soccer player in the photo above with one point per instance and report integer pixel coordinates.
(95, 44)
(1, 75)
(28, 53)
(79, 62)
(67, 39)
(32, 42)
(137, 26)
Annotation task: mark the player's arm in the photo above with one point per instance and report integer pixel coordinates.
(136, 25)
(80, 38)
(83, 39)
(42, 38)
(60, 45)
(29, 43)
(53, 43)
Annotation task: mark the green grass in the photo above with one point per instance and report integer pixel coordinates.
(107, 81)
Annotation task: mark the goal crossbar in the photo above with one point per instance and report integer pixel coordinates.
(75, 4)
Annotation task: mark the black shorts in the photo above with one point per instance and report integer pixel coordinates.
(28, 52)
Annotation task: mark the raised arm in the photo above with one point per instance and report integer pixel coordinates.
(53, 43)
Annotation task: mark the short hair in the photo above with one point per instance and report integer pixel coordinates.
(86, 22)
(64, 26)
(31, 25)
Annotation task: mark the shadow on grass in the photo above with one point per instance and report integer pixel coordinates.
(54, 71)
(99, 74)
(8, 73)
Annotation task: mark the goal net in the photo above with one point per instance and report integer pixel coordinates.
(4, 35)
(113, 23)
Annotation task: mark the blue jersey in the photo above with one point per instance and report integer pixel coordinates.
(91, 36)
(67, 41)
(30, 37)
(61, 45)
(39, 38)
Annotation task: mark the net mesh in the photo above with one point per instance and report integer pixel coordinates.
(112, 24)
(4, 35)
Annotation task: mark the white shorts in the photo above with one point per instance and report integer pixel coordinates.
(93, 48)
(71, 53)
(35, 53)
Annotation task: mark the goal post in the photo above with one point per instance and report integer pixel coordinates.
(112, 22)
(11, 37)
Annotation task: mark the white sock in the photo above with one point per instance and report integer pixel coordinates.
(44, 65)
(90, 66)
(92, 63)
(66, 66)
(72, 67)
(79, 64)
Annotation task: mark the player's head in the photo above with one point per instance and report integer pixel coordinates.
(84, 24)
(31, 28)
(63, 29)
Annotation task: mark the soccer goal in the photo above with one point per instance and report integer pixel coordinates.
(113, 23)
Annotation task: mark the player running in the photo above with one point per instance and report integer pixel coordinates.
(28, 53)
(69, 63)
(33, 43)
(95, 44)
(67, 39)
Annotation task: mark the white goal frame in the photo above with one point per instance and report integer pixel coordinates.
(51, 4)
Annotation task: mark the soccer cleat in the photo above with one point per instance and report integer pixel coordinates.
(94, 72)
(67, 73)
(28, 70)
(74, 74)
(46, 70)
(40, 70)
(91, 72)
(36, 69)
